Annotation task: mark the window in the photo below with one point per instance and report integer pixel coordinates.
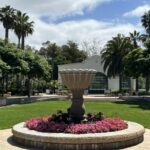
(99, 82)
(126, 83)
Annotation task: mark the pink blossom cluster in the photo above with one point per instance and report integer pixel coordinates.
(105, 125)
(45, 125)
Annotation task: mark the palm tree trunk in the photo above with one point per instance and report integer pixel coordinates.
(3, 82)
(120, 82)
(18, 42)
(6, 86)
(6, 35)
(23, 42)
(17, 83)
(29, 87)
(137, 84)
(147, 84)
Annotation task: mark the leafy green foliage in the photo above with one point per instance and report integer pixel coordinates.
(37, 65)
(146, 21)
(7, 15)
(134, 63)
(72, 53)
(68, 53)
(3, 66)
(113, 54)
(13, 58)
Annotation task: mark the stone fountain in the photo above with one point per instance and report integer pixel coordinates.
(77, 80)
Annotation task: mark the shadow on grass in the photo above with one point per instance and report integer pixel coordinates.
(142, 104)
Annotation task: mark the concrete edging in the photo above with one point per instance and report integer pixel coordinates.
(55, 141)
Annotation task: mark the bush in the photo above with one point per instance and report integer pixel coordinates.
(142, 93)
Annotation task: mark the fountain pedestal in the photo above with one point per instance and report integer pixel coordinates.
(77, 108)
(77, 80)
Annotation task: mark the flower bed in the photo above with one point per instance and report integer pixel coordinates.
(60, 124)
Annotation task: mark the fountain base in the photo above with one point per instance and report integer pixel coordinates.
(93, 141)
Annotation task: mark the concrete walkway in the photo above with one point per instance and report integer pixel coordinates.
(6, 142)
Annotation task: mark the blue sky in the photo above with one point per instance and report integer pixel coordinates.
(109, 11)
(79, 20)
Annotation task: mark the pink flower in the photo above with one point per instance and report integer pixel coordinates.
(46, 124)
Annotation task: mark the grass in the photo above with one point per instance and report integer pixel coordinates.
(138, 111)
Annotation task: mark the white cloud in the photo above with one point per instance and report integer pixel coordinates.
(78, 31)
(137, 12)
(53, 8)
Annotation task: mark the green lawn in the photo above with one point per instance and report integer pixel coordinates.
(132, 111)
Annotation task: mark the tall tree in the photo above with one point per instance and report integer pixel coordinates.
(27, 29)
(135, 37)
(13, 58)
(134, 63)
(7, 15)
(18, 26)
(113, 54)
(93, 47)
(72, 53)
(146, 24)
(22, 27)
(38, 67)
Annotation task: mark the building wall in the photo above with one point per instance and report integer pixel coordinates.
(93, 62)
(113, 84)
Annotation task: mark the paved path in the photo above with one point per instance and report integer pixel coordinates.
(6, 142)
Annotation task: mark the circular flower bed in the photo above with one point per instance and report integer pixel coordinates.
(61, 123)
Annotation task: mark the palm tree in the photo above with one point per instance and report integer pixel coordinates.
(27, 28)
(7, 15)
(17, 26)
(113, 54)
(22, 27)
(135, 37)
(146, 24)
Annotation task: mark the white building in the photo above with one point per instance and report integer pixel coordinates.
(101, 83)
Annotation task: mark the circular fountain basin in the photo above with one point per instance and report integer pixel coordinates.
(93, 141)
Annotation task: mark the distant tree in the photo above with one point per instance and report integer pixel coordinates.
(113, 54)
(38, 67)
(146, 24)
(4, 69)
(53, 85)
(12, 58)
(49, 50)
(92, 47)
(135, 37)
(55, 72)
(7, 15)
(72, 53)
(146, 21)
(134, 63)
(68, 53)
